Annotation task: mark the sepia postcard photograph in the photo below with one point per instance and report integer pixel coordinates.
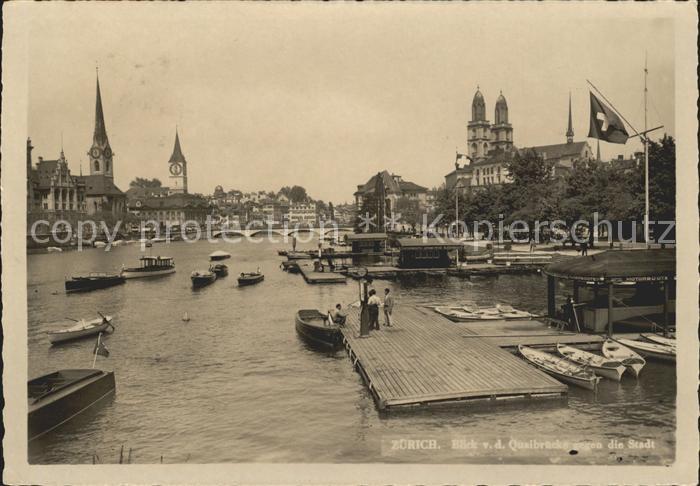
(350, 243)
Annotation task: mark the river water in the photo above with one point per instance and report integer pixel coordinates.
(235, 384)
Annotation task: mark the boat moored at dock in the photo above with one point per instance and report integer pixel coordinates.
(151, 266)
(560, 368)
(650, 350)
(600, 365)
(57, 397)
(632, 361)
(93, 281)
(202, 278)
(313, 326)
(81, 330)
(659, 339)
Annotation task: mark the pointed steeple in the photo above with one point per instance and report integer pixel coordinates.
(100, 136)
(177, 151)
(570, 130)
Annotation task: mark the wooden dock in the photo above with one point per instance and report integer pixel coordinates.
(311, 276)
(423, 360)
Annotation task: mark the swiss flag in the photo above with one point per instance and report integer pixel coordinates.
(605, 124)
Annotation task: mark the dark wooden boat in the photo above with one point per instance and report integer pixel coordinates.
(298, 255)
(202, 278)
(93, 281)
(312, 326)
(219, 269)
(250, 278)
(58, 397)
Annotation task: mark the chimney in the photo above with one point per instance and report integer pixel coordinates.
(620, 157)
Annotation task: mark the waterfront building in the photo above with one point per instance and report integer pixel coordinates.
(303, 213)
(171, 210)
(430, 253)
(395, 188)
(52, 191)
(101, 194)
(177, 165)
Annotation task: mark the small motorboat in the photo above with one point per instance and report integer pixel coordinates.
(54, 249)
(219, 269)
(93, 281)
(151, 266)
(251, 278)
(219, 255)
(202, 278)
(160, 239)
(59, 396)
(315, 328)
(616, 351)
(80, 330)
(601, 366)
(560, 368)
(460, 314)
(660, 352)
(659, 339)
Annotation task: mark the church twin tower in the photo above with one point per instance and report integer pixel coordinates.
(101, 153)
(484, 137)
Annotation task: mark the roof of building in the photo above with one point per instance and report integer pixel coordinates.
(100, 185)
(367, 236)
(497, 156)
(136, 192)
(100, 135)
(392, 184)
(633, 265)
(407, 186)
(429, 243)
(558, 150)
(177, 151)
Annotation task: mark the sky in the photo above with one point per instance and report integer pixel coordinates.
(325, 96)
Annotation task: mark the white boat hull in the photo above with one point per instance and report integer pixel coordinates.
(651, 350)
(631, 360)
(70, 334)
(152, 273)
(601, 366)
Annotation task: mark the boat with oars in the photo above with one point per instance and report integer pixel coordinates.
(250, 278)
(219, 269)
(202, 278)
(81, 329)
(659, 339)
(616, 351)
(317, 330)
(57, 397)
(560, 368)
(151, 266)
(601, 366)
(93, 281)
(650, 350)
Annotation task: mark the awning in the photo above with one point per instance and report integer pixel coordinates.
(630, 265)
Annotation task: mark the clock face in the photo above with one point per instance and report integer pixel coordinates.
(95, 152)
(176, 169)
(108, 152)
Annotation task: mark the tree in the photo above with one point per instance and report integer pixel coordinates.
(297, 194)
(662, 179)
(145, 183)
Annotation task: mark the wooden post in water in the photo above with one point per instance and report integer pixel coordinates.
(551, 289)
(610, 308)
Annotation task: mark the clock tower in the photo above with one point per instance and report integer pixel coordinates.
(100, 153)
(178, 169)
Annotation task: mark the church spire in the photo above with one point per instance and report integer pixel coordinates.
(100, 136)
(177, 151)
(570, 130)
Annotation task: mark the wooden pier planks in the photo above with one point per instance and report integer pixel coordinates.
(313, 277)
(424, 359)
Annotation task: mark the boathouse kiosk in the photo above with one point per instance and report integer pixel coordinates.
(628, 287)
(367, 247)
(428, 252)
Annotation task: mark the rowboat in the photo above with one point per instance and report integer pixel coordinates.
(151, 266)
(80, 330)
(57, 397)
(659, 339)
(460, 314)
(219, 269)
(251, 278)
(632, 361)
(509, 312)
(600, 365)
(560, 368)
(202, 278)
(651, 350)
(99, 244)
(54, 249)
(313, 326)
(93, 281)
(219, 255)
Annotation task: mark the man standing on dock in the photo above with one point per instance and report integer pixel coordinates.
(373, 304)
(388, 307)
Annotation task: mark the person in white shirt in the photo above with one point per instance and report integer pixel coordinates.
(373, 303)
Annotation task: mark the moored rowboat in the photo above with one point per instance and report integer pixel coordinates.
(632, 361)
(600, 365)
(80, 330)
(560, 368)
(313, 326)
(651, 350)
(659, 339)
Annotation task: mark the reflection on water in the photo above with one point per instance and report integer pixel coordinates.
(235, 384)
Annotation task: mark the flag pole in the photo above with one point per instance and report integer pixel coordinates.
(96, 349)
(646, 160)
